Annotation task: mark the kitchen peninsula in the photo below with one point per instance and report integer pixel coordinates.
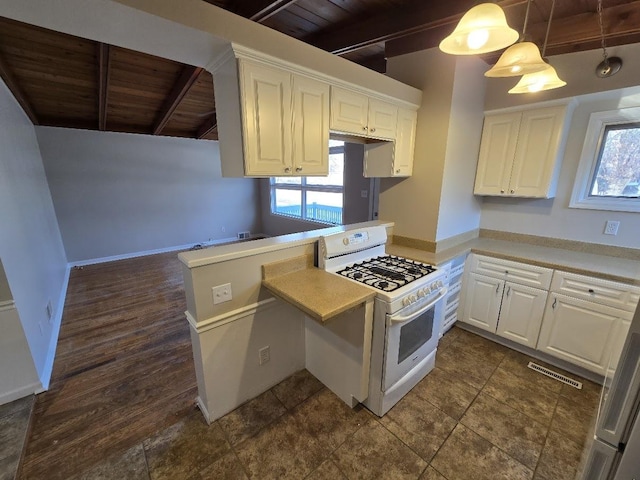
(227, 336)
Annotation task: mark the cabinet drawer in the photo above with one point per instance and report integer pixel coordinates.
(521, 273)
(605, 292)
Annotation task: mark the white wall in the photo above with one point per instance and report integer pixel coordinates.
(413, 203)
(118, 194)
(436, 203)
(30, 244)
(459, 208)
(553, 217)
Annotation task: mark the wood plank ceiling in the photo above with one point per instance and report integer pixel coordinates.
(66, 81)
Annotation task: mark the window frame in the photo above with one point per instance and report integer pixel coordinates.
(303, 187)
(590, 160)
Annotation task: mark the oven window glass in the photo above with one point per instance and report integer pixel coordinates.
(415, 334)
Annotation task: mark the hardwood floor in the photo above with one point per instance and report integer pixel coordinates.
(123, 368)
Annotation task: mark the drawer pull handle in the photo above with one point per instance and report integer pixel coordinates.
(554, 303)
(497, 288)
(508, 291)
(591, 290)
(506, 272)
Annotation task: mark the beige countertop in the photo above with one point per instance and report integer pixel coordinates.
(601, 266)
(319, 294)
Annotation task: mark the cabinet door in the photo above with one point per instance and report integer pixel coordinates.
(521, 314)
(537, 152)
(310, 126)
(405, 143)
(497, 149)
(579, 332)
(382, 119)
(482, 301)
(266, 104)
(349, 111)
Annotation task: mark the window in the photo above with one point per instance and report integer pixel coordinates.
(609, 172)
(318, 199)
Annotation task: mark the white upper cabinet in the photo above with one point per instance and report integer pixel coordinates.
(275, 118)
(521, 152)
(405, 142)
(310, 126)
(356, 113)
(393, 159)
(266, 106)
(286, 127)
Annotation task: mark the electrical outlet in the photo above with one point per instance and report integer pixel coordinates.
(49, 311)
(222, 293)
(243, 235)
(611, 227)
(264, 355)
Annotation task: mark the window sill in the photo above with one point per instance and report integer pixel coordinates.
(609, 204)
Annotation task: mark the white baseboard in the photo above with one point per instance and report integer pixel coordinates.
(21, 392)
(124, 256)
(45, 378)
(203, 409)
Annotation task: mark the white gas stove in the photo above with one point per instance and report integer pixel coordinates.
(408, 310)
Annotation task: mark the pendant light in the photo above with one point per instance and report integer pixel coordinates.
(608, 66)
(520, 58)
(482, 29)
(546, 79)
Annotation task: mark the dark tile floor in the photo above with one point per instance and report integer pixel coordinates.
(480, 414)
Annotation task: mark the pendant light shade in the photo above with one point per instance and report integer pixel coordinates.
(482, 29)
(536, 82)
(519, 59)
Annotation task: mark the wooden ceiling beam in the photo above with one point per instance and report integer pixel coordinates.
(261, 10)
(104, 65)
(185, 81)
(397, 24)
(12, 83)
(207, 127)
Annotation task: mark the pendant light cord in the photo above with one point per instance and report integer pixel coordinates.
(526, 18)
(546, 37)
(604, 45)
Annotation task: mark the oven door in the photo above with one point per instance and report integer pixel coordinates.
(412, 334)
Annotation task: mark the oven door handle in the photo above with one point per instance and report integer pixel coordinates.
(407, 318)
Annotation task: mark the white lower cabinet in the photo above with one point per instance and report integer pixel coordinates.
(521, 313)
(582, 320)
(482, 301)
(583, 333)
(510, 310)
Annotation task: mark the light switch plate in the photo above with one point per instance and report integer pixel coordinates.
(222, 293)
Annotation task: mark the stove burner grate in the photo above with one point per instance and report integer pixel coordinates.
(387, 272)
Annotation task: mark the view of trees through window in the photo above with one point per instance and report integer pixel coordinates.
(617, 173)
(319, 199)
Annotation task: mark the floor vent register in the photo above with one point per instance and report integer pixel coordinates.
(555, 375)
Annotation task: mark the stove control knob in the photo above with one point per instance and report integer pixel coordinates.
(434, 286)
(412, 298)
(420, 293)
(405, 301)
(440, 284)
(426, 291)
(345, 241)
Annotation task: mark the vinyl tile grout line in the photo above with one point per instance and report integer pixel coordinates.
(546, 438)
